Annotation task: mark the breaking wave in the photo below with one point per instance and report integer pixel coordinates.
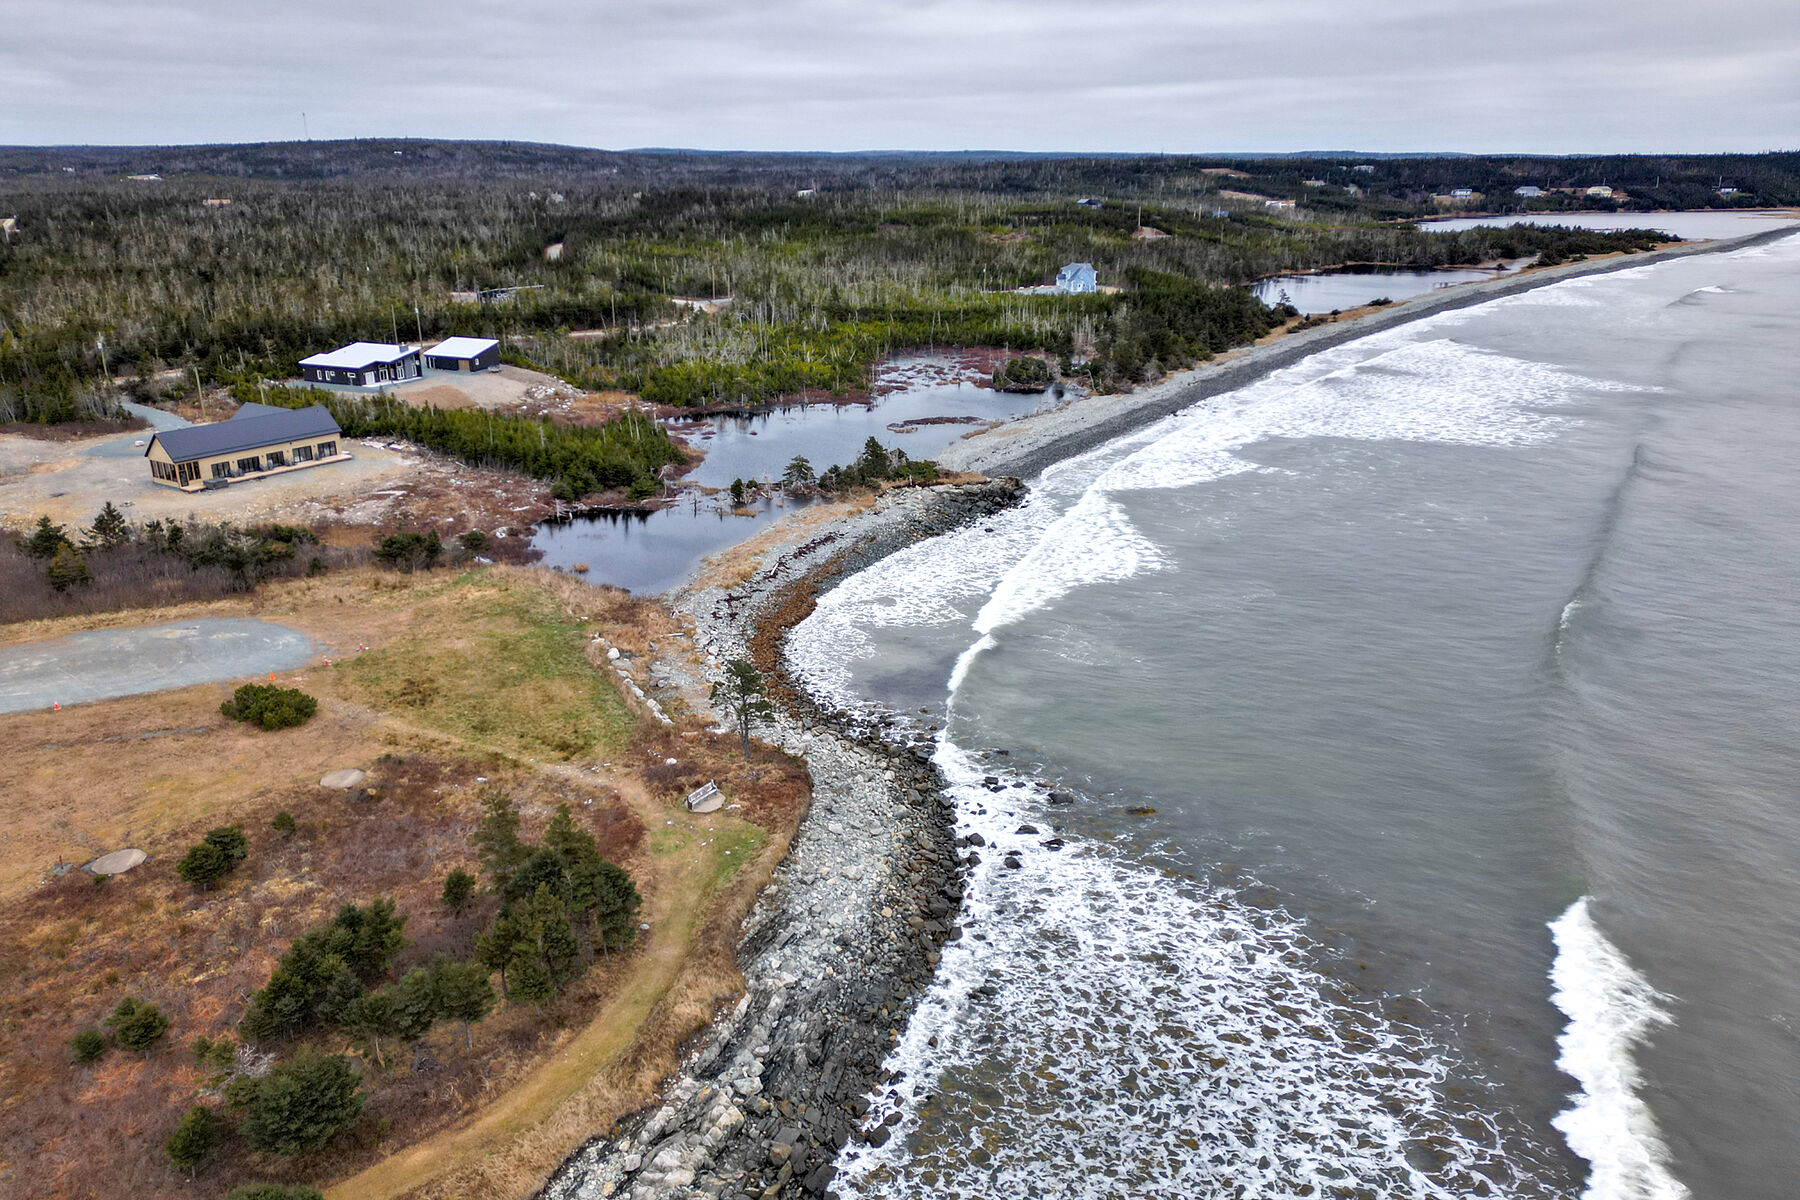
(1611, 1010)
(1106, 1027)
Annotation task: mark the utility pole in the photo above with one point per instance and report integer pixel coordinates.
(105, 370)
(421, 320)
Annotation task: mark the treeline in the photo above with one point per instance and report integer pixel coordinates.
(894, 254)
(581, 459)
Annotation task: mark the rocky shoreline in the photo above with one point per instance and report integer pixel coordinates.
(847, 935)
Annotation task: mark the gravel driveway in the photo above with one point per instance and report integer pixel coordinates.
(125, 662)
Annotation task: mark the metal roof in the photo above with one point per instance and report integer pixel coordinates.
(461, 347)
(246, 432)
(358, 355)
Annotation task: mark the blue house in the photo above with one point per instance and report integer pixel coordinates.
(1075, 278)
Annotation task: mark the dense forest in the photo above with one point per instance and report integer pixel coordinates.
(829, 261)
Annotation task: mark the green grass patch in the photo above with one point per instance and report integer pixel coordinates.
(498, 664)
(727, 849)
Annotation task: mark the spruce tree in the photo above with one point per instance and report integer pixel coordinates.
(463, 993)
(194, 1139)
(109, 528)
(459, 888)
(496, 838)
(303, 1103)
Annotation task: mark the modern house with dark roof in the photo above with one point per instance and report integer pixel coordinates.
(363, 364)
(463, 354)
(259, 440)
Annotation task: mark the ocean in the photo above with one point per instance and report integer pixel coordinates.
(1383, 777)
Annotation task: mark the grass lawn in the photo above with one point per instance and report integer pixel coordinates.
(494, 661)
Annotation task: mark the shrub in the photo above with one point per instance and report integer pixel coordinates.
(1027, 373)
(273, 1191)
(68, 569)
(410, 550)
(459, 887)
(283, 823)
(303, 1103)
(218, 855)
(88, 1045)
(270, 706)
(194, 1138)
(137, 1024)
(203, 866)
(473, 542)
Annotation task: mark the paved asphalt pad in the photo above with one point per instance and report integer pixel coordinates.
(127, 662)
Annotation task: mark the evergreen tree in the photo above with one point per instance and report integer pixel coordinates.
(68, 569)
(303, 1103)
(496, 838)
(88, 1045)
(109, 528)
(368, 1019)
(463, 993)
(546, 937)
(459, 888)
(45, 540)
(137, 1024)
(415, 1007)
(742, 694)
(495, 947)
(194, 1139)
(231, 842)
(799, 474)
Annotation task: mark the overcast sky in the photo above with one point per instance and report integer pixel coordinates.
(1557, 76)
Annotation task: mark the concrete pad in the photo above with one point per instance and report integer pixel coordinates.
(108, 663)
(343, 779)
(118, 862)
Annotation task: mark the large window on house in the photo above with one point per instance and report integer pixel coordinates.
(302, 454)
(249, 465)
(277, 458)
(221, 470)
(327, 449)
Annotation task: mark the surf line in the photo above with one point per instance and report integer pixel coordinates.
(1612, 1009)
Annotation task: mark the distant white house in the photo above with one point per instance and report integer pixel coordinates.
(1463, 194)
(217, 201)
(1600, 192)
(1725, 189)
(1076, 278)
(1528, 191)
(1278, 204)
(1313, 182)
(146, 178)
(1088, 202)
(1365, 168)
(806, 193)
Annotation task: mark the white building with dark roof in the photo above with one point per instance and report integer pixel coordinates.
(363, 364)
(463, 354)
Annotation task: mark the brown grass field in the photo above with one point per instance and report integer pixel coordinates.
(480, 676)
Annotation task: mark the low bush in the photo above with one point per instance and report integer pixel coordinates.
(270, 706)
(137, 1024)
(88, 1045)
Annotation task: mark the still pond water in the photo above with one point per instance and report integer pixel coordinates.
(919, 407)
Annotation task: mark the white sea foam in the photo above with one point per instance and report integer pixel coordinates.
(1611, 1010)
(1105, 1028)
(1409, 384)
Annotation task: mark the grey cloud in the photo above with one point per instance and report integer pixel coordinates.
(1544, 75)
